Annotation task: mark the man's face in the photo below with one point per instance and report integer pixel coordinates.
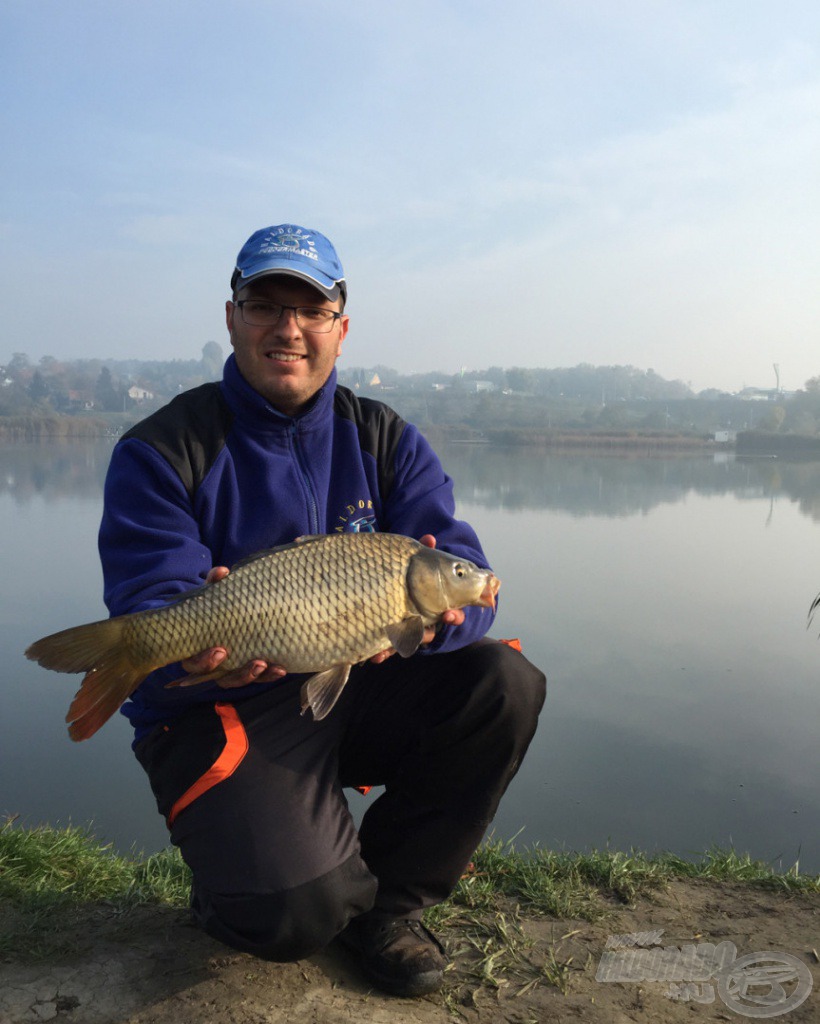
(286, 364)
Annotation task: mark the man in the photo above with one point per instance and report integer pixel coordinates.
(252, 790)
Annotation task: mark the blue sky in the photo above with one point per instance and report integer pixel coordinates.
(518, 184)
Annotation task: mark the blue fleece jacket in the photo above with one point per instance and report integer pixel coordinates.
(185, 492)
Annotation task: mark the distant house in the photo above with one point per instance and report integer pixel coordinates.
(139, 394)
(79, 399)
(478, 386)
(764, 395)
(725, 436)
(758, 394)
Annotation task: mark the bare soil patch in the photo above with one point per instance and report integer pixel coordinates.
(149, 965)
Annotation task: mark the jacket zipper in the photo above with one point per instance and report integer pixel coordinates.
(313, 504)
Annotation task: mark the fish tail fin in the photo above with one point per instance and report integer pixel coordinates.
(98, 649)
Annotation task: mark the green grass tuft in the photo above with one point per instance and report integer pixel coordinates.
(584, 885)
(47, 866)
(48, 874)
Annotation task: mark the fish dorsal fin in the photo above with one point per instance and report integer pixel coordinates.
(320, 692)
(406, 636)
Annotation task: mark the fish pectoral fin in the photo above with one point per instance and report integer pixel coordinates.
(406, 636)
(320, 692)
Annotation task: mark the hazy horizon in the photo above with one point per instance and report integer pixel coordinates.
(538, 185)
(343, 366)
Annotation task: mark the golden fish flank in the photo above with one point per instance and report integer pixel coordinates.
(319, 605)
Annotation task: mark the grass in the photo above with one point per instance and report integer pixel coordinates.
(583, 885)
(49, 877)
(481, 919)
(47, 867)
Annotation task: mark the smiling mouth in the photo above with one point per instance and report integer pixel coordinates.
(285, 357)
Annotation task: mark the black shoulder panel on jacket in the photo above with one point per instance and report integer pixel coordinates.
(380, 429)
(189, 432)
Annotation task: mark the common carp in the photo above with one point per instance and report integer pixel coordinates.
(319, 605)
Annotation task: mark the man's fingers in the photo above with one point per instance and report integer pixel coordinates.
(254, 672)
(257, 671)
(377, 659)
(453, 617)
(205, 661)
(217, 573)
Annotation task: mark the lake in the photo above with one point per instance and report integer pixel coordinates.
(666, 598)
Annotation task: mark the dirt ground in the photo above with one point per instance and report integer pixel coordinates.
(151, 966)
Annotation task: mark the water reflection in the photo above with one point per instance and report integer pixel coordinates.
(666, 599)
(621, 485)
(497, 478)
(53, 469)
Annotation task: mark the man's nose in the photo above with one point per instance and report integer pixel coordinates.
(287, 323)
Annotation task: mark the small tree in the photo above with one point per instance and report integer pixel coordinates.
(38, 389)
(212, 360)
(106, 395)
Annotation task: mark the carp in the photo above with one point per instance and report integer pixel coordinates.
(319, 605)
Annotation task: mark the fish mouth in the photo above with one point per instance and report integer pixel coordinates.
(487, 595)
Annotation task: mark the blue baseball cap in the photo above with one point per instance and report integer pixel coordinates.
(298, 252)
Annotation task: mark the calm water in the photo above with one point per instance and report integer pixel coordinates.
(665, 598)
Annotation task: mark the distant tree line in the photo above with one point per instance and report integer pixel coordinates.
(94, 386)
(584, 382)
(502, 403)
(507, 404)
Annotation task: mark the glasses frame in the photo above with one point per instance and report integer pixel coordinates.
(334, 315)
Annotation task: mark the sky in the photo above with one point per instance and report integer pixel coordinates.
(533, 183)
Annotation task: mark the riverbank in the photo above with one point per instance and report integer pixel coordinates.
(562, 440)
(566, 440)
(52, 428)
(93, 938)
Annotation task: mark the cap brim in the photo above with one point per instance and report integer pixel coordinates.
(331, 292)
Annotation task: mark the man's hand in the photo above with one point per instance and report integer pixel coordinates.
(256, 671)
(452, 617)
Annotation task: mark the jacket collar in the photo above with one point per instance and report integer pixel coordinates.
(257, 413)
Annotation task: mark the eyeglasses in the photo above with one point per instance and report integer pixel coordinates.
(259, 313)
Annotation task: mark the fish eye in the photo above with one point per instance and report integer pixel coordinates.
(458, 569)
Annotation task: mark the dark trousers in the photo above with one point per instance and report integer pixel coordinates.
(278, 866)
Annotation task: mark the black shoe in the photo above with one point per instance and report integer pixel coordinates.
(398, 955)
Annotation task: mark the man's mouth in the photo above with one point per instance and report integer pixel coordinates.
(285, 357)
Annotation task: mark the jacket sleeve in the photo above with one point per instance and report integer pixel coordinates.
(421, 501)
(149, 541)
